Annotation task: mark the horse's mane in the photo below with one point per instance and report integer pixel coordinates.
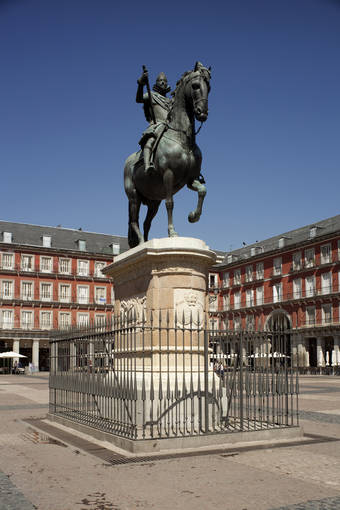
(180, 82)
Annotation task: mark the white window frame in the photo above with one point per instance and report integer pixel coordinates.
(310, 315)
(41, 322)
(80, 271)
(250, 297)
(326, 253)
(50, 264)
(47, 241)
(83, 314)
(81, 245)
(22, 297)
(65, 299)
(81, 300)
(259, 271)
(237, 323)
(310, 289)
(98, 301)
(7, 237)
(66, 261)
(11, 282)
(260, 295)
(297, 261)
(22, 267)
(309, 257)
(24, 324)
(277, 292)
(61, 323)
(339, 249)
(226, 302)
(250, 322)
(237, 300)
(48, 298)
(7, 268)
(326, 289)
(326, 318)
(277, 266)
(226, 280)
(237, 276)
(7, 324)
(100, 319)
(212, 280)
(249, 273)
(297, 288)
(98, 273)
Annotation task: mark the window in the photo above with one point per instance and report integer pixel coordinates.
(26, 319)
(100, 319)
(7, 319)
(309, 257)
(277, 266)
(237, 300)
(310, 286)
(259, 271)
(237, 277)
(310, 315)
(46, 291)
(250, 322)
(82, 319)
(46, 264)
(65, 293)
(259, 295)
(83, 267)
(226, 302)
(226, 280)
(7, 261)
(326, 283)
(325, 254)
(27, 291)
(83, 294)
(297, 261)
(212, 280)
(47, 241)
(249, 297)
(81, 245)
(277, 292)
(7, 289)
(64, 320)
(115, 249)
(45, 320)
(339, 250)
(7, 237)
(237, 323)
(312, 232)
(27, 262)
(100, 295)
(64, 266)
(326, 313)
(212, 303)
(98, 266)
(249, 273)
(297, 288)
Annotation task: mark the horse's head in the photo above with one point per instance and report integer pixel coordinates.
(197, 88)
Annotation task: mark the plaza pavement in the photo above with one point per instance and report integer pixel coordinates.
(49, 475)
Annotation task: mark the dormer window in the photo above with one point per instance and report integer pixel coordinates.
(312, 232)
(115, 248)
(81, 245)
(7, 237)
(47, 241)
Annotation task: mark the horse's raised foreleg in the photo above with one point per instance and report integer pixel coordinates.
(168, 180)
(196, 185)
(153, 206)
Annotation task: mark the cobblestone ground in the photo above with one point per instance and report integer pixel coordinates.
(48, 475)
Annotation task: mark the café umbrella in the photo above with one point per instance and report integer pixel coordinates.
(11, 354)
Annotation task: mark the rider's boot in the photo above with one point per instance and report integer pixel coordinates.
(149, 167)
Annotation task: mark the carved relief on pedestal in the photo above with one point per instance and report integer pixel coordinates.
(134, 307)
(189, 306)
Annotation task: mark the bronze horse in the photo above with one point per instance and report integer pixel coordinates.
(177, 158)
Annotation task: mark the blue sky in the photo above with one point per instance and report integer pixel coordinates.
(68, 117)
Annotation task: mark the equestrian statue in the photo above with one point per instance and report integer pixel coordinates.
(169, 158)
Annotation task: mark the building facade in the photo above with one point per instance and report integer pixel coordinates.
(50, 278)
(290, 281)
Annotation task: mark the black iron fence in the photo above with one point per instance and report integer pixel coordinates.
(157, 377)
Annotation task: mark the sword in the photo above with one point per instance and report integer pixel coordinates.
(153, 118)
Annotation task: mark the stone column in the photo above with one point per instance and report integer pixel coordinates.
(307, 362)
(301, 352)
(294, 340)
(319, 352)
(35, 354)
(336, 352)
(16, 345)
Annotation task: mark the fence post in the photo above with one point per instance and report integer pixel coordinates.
(240, 355)
(206, 380)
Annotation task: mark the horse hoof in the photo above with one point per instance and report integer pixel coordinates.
(173, 234)
(193, 217)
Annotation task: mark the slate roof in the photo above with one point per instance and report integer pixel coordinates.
(298, 236)
(62, 238)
